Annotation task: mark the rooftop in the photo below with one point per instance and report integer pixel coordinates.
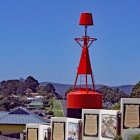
(36, 103)
(20, 116)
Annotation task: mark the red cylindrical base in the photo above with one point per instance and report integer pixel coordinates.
(78, 100)
(84, 99)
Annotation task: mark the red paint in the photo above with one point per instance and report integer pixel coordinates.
(84, 64)
(84, 100)
(86, 19)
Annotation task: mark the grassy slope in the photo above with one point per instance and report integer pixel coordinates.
(57, 109)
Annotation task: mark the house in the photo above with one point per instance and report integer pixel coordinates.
(38, 97)
(13, 123)
(32, 94)
(35, 105)
(35, 98)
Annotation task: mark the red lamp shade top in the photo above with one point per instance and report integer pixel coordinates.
(86, 19)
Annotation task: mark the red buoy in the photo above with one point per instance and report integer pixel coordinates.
(83, 97)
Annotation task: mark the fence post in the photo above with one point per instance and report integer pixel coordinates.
(24, 134)
(119, 123)
(49, 133)
(80, 130)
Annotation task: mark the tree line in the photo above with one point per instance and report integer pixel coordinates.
(13, 93)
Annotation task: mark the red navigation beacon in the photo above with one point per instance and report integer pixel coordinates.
(83, 97)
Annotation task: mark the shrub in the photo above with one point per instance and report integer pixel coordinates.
(50, 113)
(42, 108)
(118, 138)
(137, 137)
(130, 133)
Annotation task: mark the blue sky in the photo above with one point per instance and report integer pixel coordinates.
(37, 39)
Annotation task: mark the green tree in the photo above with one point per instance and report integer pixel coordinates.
(49, 88)
(7, 105)
(49, 95)
(135, 91)
(116, 106)
(50, 103)
(10, 87)
(68, 91)
(111, 95)
(41, 90)
(58, 96)
(31, 83)
(46, 101)
(107, 93)
(28, 92)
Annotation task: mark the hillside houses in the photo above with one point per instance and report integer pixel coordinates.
(35, 105)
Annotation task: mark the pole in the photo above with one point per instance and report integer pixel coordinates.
(80, 130)
(75, 82)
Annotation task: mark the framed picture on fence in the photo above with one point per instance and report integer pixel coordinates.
(58, 131)
(91, 125)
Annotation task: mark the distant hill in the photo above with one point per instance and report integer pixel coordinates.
(61, 88)
(125, 88)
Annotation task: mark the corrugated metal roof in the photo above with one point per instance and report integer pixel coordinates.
(36, 103)
(24, 117)
(3, 113)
